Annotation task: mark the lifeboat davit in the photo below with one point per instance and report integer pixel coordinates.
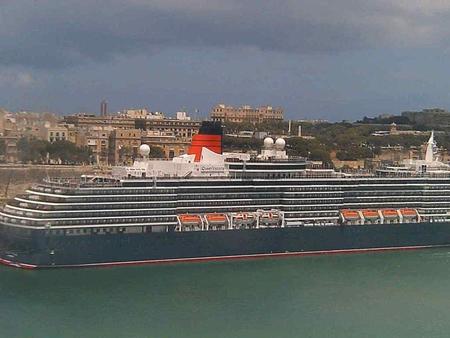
(190, 220)
(271, 217)
(389, 213)
(370, 214)
(217, 219)
(350, 215)
(244, 218)
(408, 213)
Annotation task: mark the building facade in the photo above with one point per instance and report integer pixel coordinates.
(180, 128)
(123, 146)
(54, 133)
(170, 144)
(97, 139)
(9, 151)
(226, 113)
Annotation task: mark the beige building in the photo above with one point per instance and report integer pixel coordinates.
(8, 124)
(123, 146)
(54, 133)
(180, 128)
(97, 140)
(124, 134)
(142, 113)
(10, 149)
(226, 113)
(398, 154)
(168, 142)
(75, 135)
(87, 121)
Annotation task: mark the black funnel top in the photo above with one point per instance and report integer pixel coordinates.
(211, 128)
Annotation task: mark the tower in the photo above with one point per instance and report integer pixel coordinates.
(103, 108)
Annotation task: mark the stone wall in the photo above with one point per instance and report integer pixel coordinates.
(15, 179)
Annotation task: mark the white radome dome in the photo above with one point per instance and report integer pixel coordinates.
(144, 150)
(268, 142)
(280, 143)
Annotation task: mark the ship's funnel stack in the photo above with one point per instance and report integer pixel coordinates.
(209, 136)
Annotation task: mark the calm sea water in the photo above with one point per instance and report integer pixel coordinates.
(399, 294)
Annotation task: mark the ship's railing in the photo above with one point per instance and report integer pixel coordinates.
(115, 181)
(81, 182)
(291, 159)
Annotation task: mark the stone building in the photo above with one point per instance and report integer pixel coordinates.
(97, 139)
(168, 142)
(10, 148)
(180, 128)
(142, 113)
(123, 146)
(54, 133)
(226, 113)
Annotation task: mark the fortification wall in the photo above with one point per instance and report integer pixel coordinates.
(15, 179)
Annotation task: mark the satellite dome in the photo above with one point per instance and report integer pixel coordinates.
(144, 150)
(268, 142)
(280, 143)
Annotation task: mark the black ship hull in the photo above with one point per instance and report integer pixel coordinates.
(38, 248)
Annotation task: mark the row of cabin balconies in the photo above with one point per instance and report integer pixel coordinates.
(156, 207)
(8, 219)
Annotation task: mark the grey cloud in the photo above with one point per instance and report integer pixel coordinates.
(55, 34)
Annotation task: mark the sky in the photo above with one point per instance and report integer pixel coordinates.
(331, 59)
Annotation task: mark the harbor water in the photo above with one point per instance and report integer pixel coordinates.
(395, 294)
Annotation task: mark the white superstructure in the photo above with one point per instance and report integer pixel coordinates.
(211, 164)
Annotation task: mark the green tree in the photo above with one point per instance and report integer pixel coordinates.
(2, 147)
(125, 154)
(157, 152)
(309, 148)
(32, 150)
(237, 143)
(68, 153)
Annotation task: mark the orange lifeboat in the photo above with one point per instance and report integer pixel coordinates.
(190, 219)
(389, 213)
(350, 215)
(216, 219)
(370, 214)
(408, 213)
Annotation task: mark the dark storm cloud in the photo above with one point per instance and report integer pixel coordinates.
(54, 34)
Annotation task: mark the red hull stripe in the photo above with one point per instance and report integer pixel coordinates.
(17, 265)
(220, 258)
(256, 256)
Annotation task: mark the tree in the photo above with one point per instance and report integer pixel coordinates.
(2, 147)
(157, 152)
(32, 150)
(36, 151)
(311, 149)
(237, 143)
(125, 154)
(68, 153)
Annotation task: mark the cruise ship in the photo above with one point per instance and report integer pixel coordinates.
(212, 205)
